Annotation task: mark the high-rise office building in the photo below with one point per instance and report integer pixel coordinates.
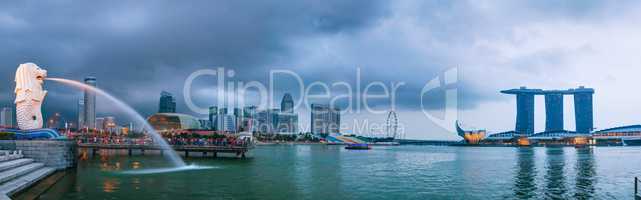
(287, 121)
(325, 119)
(275, 121)
(167, 103)
(267, 120)
(249, 119)
(249, 111)
(238, 118)
(6, 117)
(525, 114)
(553, 111)
(90, 104)
(287, 104)
(213, 118)
(238, 112)
(220, 119)
(524, 109)
(81, 113)
(583, 112)
(222, 111)
(228, 123)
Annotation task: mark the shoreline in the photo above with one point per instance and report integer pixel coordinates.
(450, 145)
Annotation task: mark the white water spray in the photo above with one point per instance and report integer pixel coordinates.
(158, 139)
(168, 170)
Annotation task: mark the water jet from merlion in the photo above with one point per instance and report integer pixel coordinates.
(157, 138)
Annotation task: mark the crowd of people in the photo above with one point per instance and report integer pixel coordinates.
(195, 140)
(225, 141)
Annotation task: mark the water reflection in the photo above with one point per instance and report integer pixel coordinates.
(525, 186)
(110, 185)
(586, 173)
(555, 174)
(554, 178)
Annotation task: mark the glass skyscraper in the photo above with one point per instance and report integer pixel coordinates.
(90, 104)
(287, 104)
(81, 113)
(213, 117)
(167, 103)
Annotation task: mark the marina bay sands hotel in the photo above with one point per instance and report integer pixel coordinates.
(553, 109)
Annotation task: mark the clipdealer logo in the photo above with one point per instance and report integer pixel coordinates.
(358, 96)
(447, 82)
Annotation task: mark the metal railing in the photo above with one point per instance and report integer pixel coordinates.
(637, 194)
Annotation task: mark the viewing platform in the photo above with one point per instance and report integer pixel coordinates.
(239, 151)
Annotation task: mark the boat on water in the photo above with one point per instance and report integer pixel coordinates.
(361, 146)
(386, 144)
(632, 142)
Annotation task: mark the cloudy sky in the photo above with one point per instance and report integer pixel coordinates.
(137, 49)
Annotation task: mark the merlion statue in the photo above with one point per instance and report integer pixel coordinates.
(29, 96)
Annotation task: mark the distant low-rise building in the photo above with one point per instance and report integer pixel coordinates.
(6, 117)
(109, 124)
(173, 121)
(205, 124)
(278, 121)
(100, 122)
(287, 123)
(56, 121)
(325, 119)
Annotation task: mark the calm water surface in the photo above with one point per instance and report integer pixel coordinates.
(402, 172)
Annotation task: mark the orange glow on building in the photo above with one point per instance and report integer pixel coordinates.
(470, 136)
(474, 137)
(580, 140)
(523, 141)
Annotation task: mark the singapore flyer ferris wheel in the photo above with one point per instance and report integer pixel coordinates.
(391, 125)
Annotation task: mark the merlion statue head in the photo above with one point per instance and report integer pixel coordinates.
(29, 77)
(29, 95)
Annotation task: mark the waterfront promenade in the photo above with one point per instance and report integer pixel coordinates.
(236, 146)
(239, 151)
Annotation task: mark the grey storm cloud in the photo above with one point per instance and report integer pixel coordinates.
(139, 48)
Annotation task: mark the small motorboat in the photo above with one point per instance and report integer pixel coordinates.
(362, 146)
